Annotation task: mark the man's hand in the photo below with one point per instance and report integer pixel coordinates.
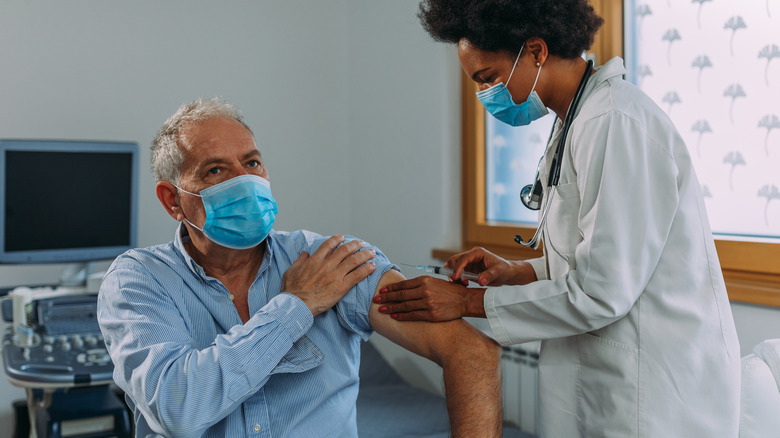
(323, 278)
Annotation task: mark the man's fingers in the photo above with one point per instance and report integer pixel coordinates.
(328, 246)
(333, 252)
(347, 249)
(357, 275)
(357, 259)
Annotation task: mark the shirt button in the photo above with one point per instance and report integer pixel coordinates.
(257, 428)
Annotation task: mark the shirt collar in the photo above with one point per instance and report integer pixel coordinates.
(612, 68)
(182, 236)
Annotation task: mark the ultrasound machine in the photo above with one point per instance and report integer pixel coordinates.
(68, 202)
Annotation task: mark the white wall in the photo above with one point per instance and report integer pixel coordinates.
(355, 108)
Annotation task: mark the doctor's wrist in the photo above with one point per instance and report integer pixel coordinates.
(524, 273)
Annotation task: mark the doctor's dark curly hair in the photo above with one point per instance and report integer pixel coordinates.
(567, 26)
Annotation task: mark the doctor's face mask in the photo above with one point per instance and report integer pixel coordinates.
(498, 101)
(240, 212)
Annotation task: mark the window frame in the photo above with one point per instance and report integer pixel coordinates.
(751, 269)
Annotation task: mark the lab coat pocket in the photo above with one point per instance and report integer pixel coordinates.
(563, 233)
(608, 399)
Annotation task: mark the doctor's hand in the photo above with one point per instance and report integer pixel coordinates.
(323, 278)
(429, 299)
(492, 269)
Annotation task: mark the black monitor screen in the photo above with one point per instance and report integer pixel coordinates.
(65, 202)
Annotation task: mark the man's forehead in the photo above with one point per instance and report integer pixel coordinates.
(213, 140)
(213, 131)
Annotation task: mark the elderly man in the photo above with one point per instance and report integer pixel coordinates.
(235, 329)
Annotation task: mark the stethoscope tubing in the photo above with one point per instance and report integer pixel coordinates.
(556, 164)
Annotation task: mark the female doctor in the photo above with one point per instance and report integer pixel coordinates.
(628, 297)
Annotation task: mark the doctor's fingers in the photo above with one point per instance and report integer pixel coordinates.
(445, 300)
(411, 283)
(459, 265)
(388, 295)
(433, 308)
(476, 259)
(492, 269)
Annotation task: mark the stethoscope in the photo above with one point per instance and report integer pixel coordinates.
(532, 195)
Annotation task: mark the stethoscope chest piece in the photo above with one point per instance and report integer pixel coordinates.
(531, 196)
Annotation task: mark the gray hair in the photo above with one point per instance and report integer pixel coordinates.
(167, 156)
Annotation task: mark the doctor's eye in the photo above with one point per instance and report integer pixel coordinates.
(486, 80)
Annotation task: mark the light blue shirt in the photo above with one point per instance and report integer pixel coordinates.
(190, 368)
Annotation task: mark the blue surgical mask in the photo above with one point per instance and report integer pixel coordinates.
(240, 212)
(497, 100)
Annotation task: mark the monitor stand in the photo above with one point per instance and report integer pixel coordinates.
(75, 274)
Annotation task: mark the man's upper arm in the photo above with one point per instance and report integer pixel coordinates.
(433, 340)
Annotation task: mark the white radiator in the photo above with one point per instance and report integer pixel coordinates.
(519, 365)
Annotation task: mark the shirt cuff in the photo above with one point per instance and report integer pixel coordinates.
(292, 313)
(499, 332)
(540, 267)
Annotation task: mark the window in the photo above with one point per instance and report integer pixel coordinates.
(751, 268)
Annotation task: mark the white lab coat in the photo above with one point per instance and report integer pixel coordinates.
(637, 334)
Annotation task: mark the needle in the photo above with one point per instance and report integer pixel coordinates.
(441, 270)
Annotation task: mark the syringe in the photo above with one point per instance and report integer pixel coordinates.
(441, 270)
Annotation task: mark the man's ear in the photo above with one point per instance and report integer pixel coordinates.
(167, 194)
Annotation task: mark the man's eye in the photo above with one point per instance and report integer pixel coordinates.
(214, 170)
(253, 163)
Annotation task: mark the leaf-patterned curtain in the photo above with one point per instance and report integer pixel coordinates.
(713, 66)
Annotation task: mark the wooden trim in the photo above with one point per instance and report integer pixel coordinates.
(609, 39)
(760, 258)
(751, 270)
(472, 157)
(753, 288)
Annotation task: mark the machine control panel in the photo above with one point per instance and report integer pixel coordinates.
(62, 346)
